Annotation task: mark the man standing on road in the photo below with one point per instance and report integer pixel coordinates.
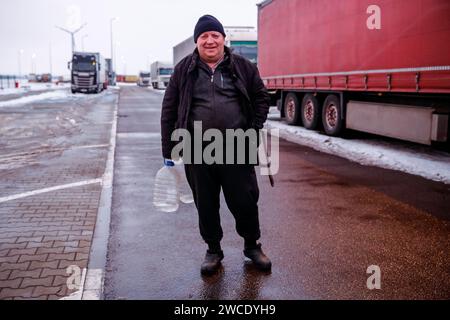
(221, 90)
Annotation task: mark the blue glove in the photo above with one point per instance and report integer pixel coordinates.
(169, 163)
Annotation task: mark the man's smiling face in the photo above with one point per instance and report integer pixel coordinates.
(210, 46)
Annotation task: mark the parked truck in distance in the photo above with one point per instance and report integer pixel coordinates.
(160, 73)
(144, 79)
(45, 77)
(88, 72)
(241, 40)
(379, 68)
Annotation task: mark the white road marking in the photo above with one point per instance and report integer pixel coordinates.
(91, 146)
(45, 190)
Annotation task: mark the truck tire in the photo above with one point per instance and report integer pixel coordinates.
(292, 109)
(332, 116)
(310, 111)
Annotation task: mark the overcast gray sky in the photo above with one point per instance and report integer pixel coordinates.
(146, 30)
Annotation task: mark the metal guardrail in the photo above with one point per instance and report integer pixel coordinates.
(8, 81)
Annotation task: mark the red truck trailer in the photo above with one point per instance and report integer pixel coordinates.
(378, 66)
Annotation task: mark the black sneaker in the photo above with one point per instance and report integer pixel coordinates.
(212, 262)
(259, 259)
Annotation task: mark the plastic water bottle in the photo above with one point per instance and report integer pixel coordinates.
(184, 190)
(165, 191)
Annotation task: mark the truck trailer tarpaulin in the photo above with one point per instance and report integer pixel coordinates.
(377, 66)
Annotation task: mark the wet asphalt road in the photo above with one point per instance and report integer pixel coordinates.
(325, 222)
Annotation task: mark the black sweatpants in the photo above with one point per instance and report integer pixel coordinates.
(240, 189)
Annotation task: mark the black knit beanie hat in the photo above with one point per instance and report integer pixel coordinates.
(207, 23)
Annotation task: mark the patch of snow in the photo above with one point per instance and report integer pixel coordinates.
(430, 164)
(32, 86)
(53, 95)
(160, 91)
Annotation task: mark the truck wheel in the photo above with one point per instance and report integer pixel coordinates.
(331, 116)
(292, 109)
(310, 112)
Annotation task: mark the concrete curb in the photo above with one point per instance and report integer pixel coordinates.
(92, 287)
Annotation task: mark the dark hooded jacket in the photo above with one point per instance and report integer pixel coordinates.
(253, 96)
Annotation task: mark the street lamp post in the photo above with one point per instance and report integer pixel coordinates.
(20, 61)
(50, 57)
(116, 45)
(33, 63)
(124, 65)
(113, 66)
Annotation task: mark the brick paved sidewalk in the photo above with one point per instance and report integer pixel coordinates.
(40, 237)
(44, 234)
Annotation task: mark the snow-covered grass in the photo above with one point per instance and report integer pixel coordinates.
(26, 86)
(52, 95)
(409, 158)
(62, 93)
